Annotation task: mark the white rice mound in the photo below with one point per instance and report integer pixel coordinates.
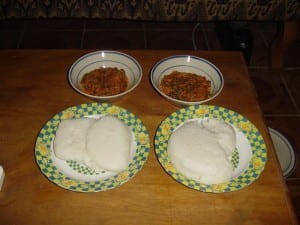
(201, 150)
(100, 144)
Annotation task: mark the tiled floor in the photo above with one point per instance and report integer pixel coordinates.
(278, 94)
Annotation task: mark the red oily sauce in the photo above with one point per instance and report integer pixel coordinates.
(186, 86)
(105, 81)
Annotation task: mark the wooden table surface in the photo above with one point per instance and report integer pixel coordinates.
(34, 87)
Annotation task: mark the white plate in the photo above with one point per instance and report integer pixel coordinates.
(77, 177)
(285, 152)
(248, 159)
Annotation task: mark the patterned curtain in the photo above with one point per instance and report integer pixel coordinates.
(154, 10)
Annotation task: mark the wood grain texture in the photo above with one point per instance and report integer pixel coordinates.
(34, 87)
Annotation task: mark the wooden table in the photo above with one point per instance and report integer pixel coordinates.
(34, 87)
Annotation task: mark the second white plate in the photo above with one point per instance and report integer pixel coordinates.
(248, 159)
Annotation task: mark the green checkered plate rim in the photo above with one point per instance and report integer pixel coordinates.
(257, 148)
(44, 150)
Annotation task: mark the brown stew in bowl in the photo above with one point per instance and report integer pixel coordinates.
(185, 86)
(105, 81)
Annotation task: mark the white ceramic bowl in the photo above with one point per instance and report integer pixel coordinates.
(189, 64)
(95, 60)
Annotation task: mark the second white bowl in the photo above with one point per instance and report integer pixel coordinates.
(188, 64)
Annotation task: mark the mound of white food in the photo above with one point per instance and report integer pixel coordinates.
(101, 144)
(70, 139)
(201, 150)
(108, 144)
